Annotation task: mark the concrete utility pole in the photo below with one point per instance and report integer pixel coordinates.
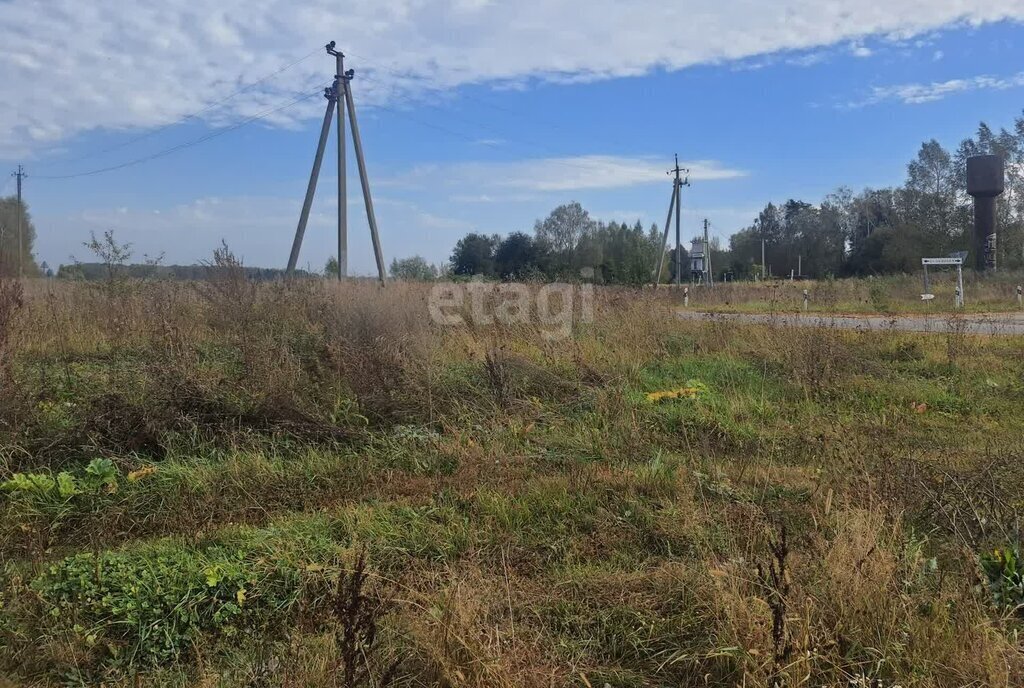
(19, 175)
(679, 183)
(708, 275)
(341, 89)
(325, 130)
(364, 179)
(660, 259)
(764, 274)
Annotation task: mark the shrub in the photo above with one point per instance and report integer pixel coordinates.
(154, 605)
(53, 497)
(1005, 573)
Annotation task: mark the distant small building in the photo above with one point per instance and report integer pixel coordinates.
(698, 263)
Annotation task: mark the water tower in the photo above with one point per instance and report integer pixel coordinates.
(984, 183)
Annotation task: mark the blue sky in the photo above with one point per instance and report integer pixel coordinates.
(477, 116)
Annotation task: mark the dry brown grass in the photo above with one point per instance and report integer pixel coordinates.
(534, 520)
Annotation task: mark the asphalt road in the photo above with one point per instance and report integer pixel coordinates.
(989, 324)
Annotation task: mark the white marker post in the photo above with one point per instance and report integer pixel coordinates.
(1020, 297)
(953, 260)
(806, 296)
(686, 296)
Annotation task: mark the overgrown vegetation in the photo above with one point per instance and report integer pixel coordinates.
(243, 484)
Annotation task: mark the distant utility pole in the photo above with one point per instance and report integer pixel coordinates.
(20, 175)
(677, 186)
(764, 273)
(340, 90)
(707, 256)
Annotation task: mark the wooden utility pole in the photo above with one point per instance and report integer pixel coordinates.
(340, 90)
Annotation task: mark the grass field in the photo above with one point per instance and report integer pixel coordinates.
(875, 295)
(226, 484)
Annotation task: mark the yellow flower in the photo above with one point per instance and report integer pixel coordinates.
(141, 473)
(692, 390)
(240, 596)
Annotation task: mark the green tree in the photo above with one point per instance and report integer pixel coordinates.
(9, 242)
(518, 256)
(562, 233)
(331, 267)
(474, 255)
(414, 269)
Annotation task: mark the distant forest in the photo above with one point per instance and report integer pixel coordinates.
(100, 271)
(876, 231)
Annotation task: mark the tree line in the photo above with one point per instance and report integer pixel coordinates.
(567, 245)
(873, 232)
(889, 230)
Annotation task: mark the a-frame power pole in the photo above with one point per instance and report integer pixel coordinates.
(674, 204)
(340, 90)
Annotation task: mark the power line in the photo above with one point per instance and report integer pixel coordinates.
(467, 96)
(185, 118)
(522, 142)
(557, 158)
(187, 144)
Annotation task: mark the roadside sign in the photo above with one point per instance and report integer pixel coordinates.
(942, 261)
(927, 297)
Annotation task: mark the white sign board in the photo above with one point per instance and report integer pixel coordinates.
(942, 261)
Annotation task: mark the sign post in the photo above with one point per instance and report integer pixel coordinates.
(958, 261)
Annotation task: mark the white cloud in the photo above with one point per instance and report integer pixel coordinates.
(914, 94)
(150, 62)
(858, 49)
(540, 175)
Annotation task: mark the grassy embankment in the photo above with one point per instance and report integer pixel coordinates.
(201, 467)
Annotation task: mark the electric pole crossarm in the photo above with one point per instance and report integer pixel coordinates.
(371, 218)
(659, 266)
(325, 131)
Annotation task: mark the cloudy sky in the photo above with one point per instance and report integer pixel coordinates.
(475, 114)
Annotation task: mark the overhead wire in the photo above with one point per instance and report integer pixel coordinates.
(181, 120)
(462, 94)
(187, 144)
(557, 158)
